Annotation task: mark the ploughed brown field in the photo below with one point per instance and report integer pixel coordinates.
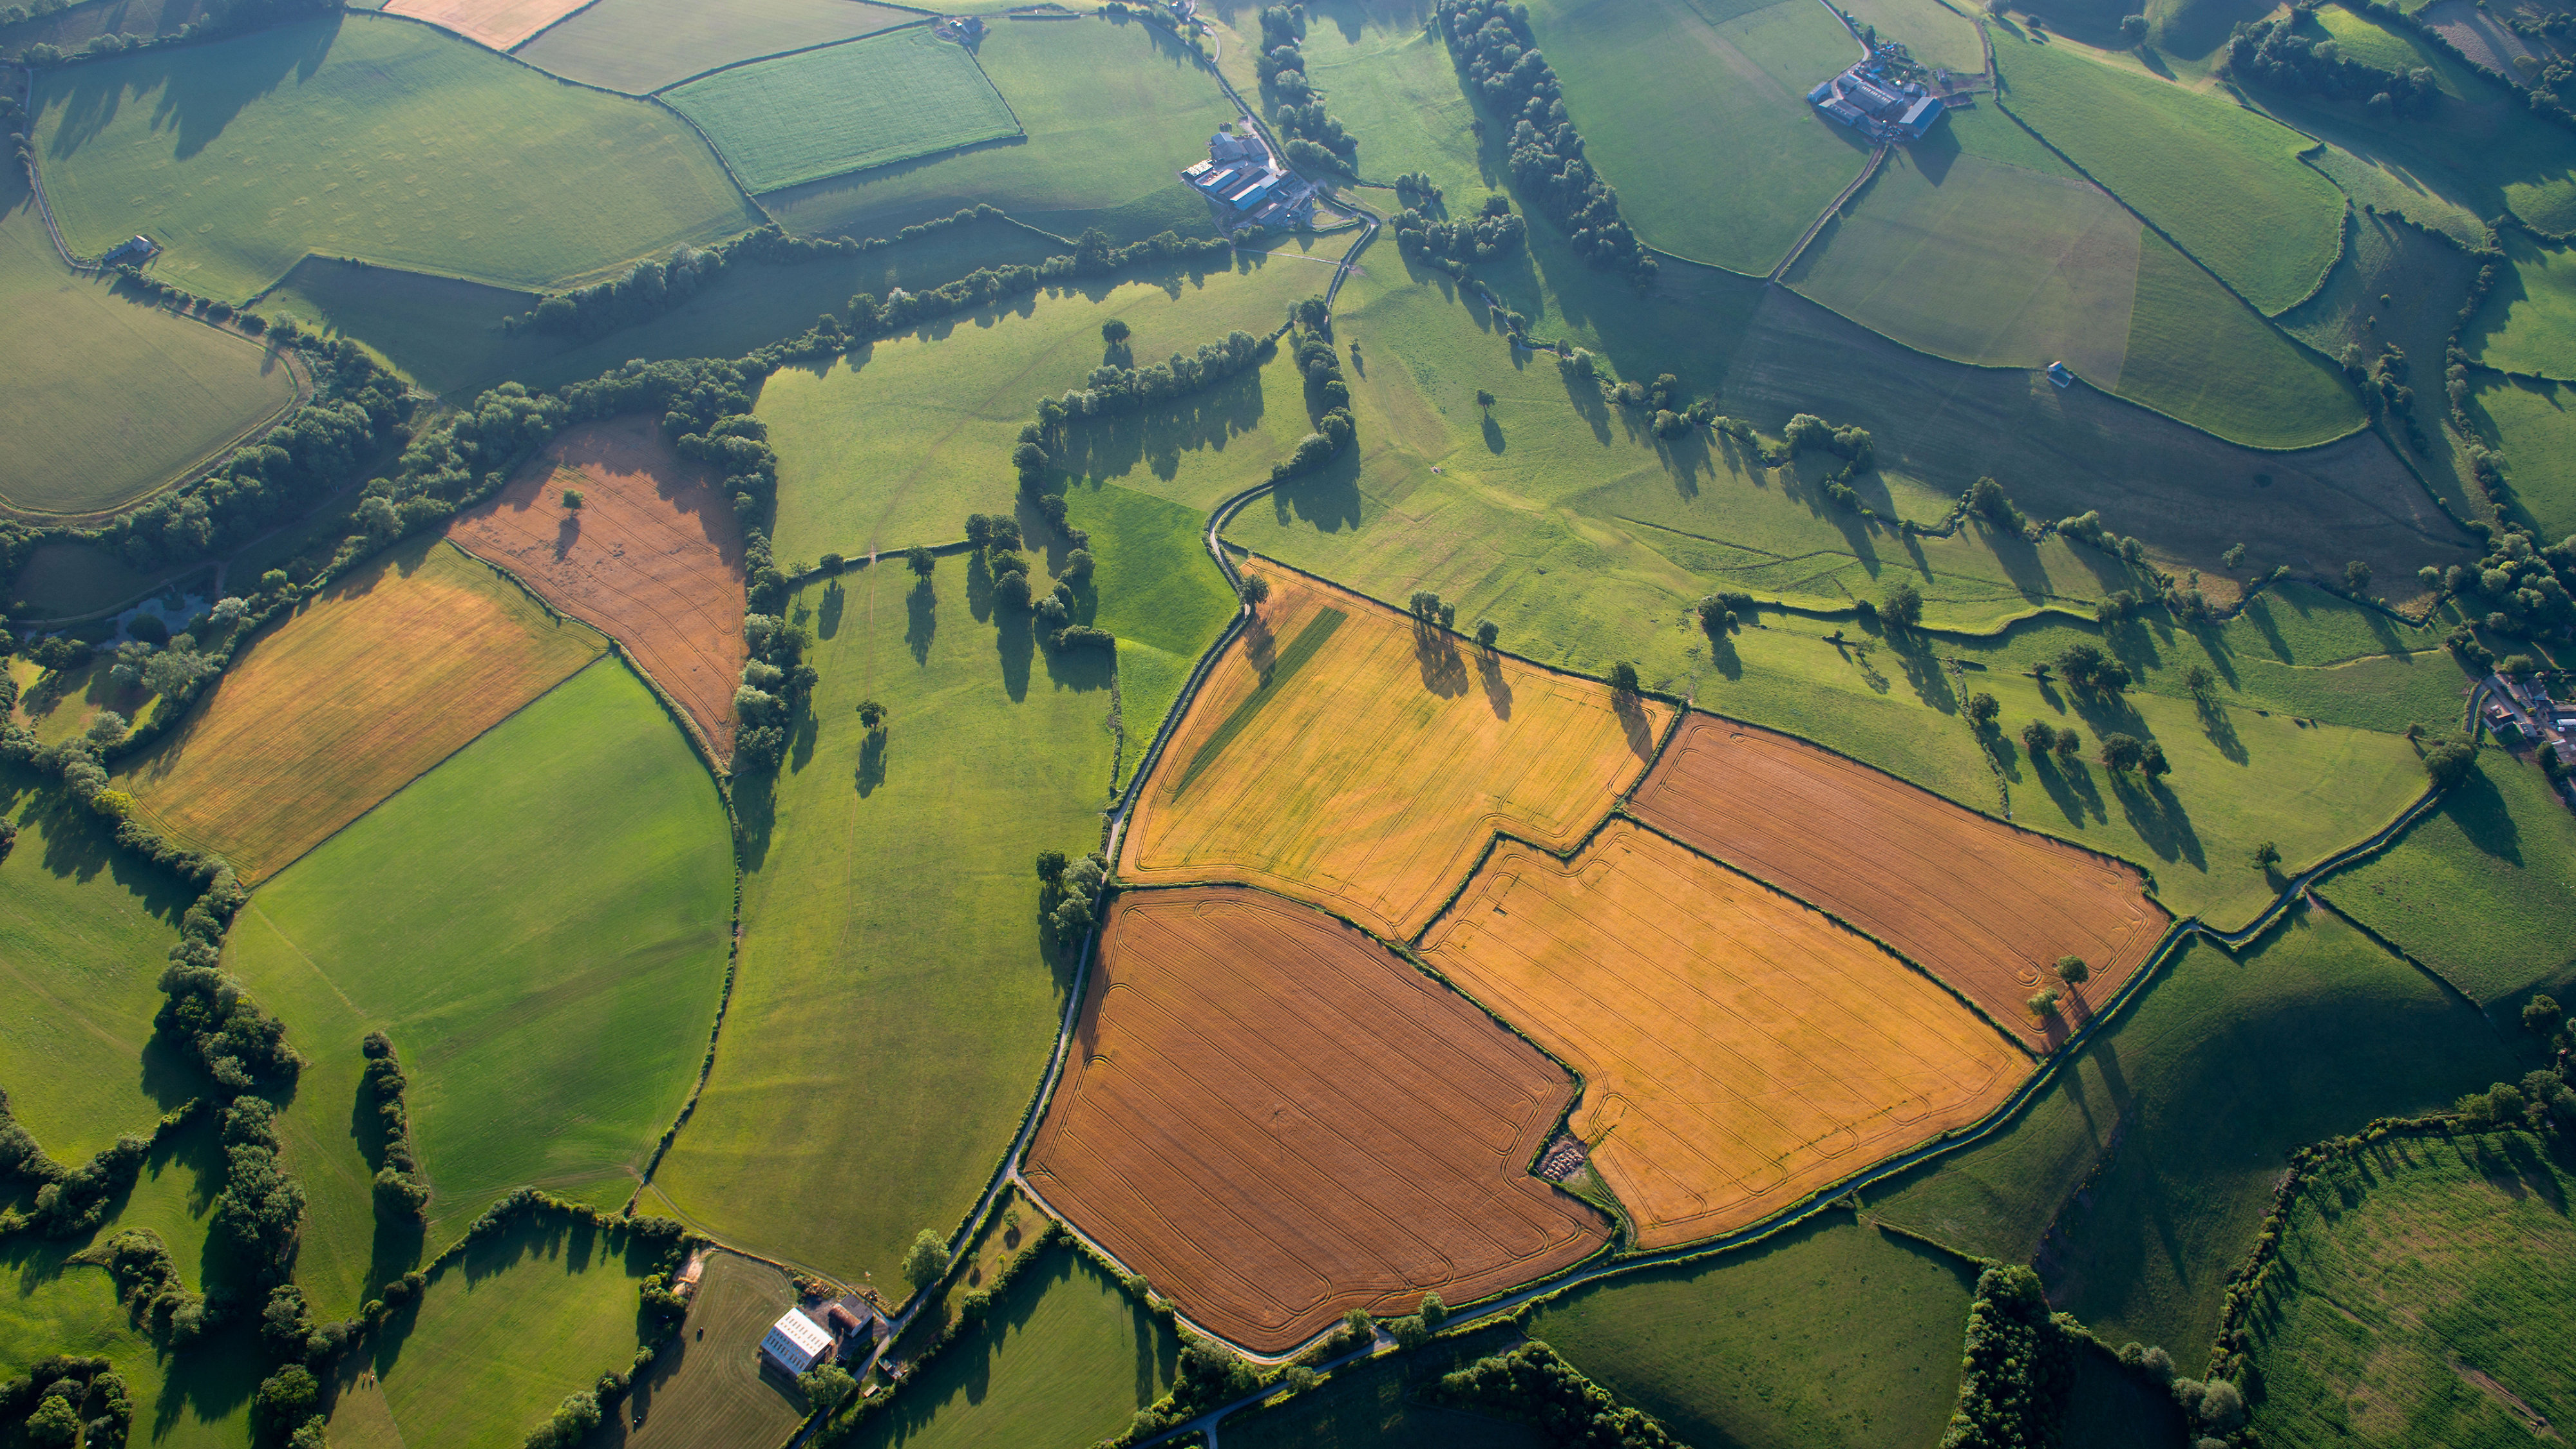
(1342, 754)
(1276, 1121)
(1739, 1050)
(1981, 904)
(653, 557)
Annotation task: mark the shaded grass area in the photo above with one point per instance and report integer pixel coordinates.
(896, 1000)
(366, 136)
(2200, 355)
(845, 108)
(2527, 323)
(1110, 111)
(2534, 425)
(548, 975)
(200, 1401)
(1156, 589)
(76, 25)
(1373, 1405)
(60, 580)
(2478, 889)
(642, 45)
(1830, 1334)
(2419, 1298)
(2135, 1180)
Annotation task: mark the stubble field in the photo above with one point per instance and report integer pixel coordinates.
(1739, 1050)
(1344, 755)
(652, 558)
(1983, 906)
(1276, 1120)
(499, 24)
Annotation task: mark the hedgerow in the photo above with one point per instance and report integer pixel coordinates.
(1533, 1384)
(2018, 1366)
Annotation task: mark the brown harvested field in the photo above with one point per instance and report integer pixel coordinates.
(361, 691)
(1739, 1050)
(499, 24)
(1276, 1120)
(1984, 906)
(1341, 755)
(653, 557)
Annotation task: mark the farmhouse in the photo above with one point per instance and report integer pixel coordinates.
(796, 1343)
(1245, 183)
(1865, 99)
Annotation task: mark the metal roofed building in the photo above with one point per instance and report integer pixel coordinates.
(796, 1343)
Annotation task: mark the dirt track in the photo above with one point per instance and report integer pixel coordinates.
(1982, 905)
(1276, 1120)
(653, 558)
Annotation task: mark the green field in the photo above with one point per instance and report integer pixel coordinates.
(895, 444)
(51, 1306)
(2534, 425)
(2185, 1108)
(2197, 354)
(374, 138)
(1064, 1357)
(643, 45)
(446, 334)
(104, 400)
(84, 932)
(2223, 181)
(844, 108)
(494, 1342)
(1391, 83)
(2478, 890)
(2528, 322)
(1732, 176)
(703, 1388)
(1158, 591)
(1831, 1334)
(1932, 32)
(2420, 1299)
(421, 920)
(1111, 112)
(895, 1003)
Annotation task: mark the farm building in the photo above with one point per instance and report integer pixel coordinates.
(1245, 183)
(137, 249)
(1865, 99)
(796, 1343)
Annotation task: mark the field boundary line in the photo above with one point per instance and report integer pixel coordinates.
(1833, 211)
(656, 92)
(531, 37)
(2326, 903)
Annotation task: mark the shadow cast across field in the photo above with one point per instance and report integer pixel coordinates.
(191, 103)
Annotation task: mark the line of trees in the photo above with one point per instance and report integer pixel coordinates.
(2273, 53)
(1495, 231)
(1491, 40)
(149, 1285)
(400, 1193)
(1328, 396)
(1313, 139)
(1532, 1384)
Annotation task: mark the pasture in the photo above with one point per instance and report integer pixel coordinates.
(109, 399)
(2173, 1124)
(1888, 857)
(639, 46)
(703, 1387)
(84, 930)
(374, 138)
(1111, 110)
(897, 442)
(2477, 889)
(652, 558)
(2199, 355)
(1391, 82)
(896, 998)
(499, 24)
(495, 1341)
(423, 921)
(1932, 32)
(1157, 590)
(1208, 1134)
(2533, 424)
(1831, 1335)
(1739, 1050)
(847, 107)
(2418, 1298)
(1746, 68)
(1064, 1357)
(55, 1306)
(361, 689)
(2223, 181)
(1350, 757)
(2527, 324)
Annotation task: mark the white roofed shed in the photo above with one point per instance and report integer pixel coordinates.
(796, 1343)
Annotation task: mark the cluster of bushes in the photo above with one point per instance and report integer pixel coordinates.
(1112, 389)
(399, 1191)
(1724, 612)
(2088, 529)
(148, 1284)
(65, 1401)
(222, 17)
(776, 681)
(646, 291)
(2525, 586)
(1419, 192)
(1328, 397)
(1495, 231)
(2273, 53)
(1068, 893)
(1314, 139)
(70, 1201)
(2087, 670)
(261, 1209)
(1532, 1384)
(2018, 1365)
(1492, 41)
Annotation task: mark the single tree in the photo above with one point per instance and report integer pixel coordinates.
(1484, 399)
(926, 1261)
(2541, 1016)
(1255, 591)
(2133, 30)
(1358, 1324)
(2122, 753)
(1434, 1312)
(1487, 631)
(1623, 677)
(2043, 1002)
(2356, 574)
(825, 1386)
(2070, 743)
(1983, 709)
(872, 715)
(920, 560)
(2448, 763)
(2266, 856)
(2152, 763)
(2201, 680)
(1903, 605)
(2038, 736)
(1113, 331)
(2071, 969)
(572, 499)
(832, 563)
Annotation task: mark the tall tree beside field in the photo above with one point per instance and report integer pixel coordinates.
(926, 1261)
(1256, 592)
(920, 560)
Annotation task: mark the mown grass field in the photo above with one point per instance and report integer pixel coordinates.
(2478, 889)
(105, 400)
(2186, 1106)
(2528, 322)
(446, 334)
(800, 118)
(703, 1387)
(1111, 110)
(1746, 70)
(84, 932)
(895, 1003)
(426, 920)
(1158, 591)
(200, 1402)
(638, 46)
(2534, 424)
(2197, 354)
(1063, 1357)
(370, 137)
(2419, 1299)
(895, 444)
(494, 1342)
(1832, 1335)
(2222, 180)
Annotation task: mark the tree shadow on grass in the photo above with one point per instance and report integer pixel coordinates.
(921, 620)
(1328, 498)
(872, 762)
(2478, 809)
